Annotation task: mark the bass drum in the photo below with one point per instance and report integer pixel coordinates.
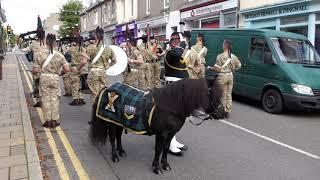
(121, 61)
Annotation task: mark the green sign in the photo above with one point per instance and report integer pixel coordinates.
(277, 11)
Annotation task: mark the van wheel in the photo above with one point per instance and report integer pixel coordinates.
(272, 101)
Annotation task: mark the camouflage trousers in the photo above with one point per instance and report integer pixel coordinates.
(130, 78)
(149, 76)
(50, 95)
(67, 83)
(75, 86)
(197, 72)
(225, 82)
(97, 80)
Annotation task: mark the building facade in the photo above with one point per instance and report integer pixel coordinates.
(298, 16)
(210, 14)
(52, 24)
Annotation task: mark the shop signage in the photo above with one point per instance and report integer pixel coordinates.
(213, 8)
(152, 23)
(280, 11)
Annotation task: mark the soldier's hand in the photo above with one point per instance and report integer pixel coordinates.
(75, 69)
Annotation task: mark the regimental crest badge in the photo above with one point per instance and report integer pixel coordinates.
(129, 111)
(112, 96)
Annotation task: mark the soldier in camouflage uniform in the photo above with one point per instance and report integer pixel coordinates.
(36, 48)
(49, 80)
(135, 60)
(226, 64)
(78, 61)
(97, 79)
(196, 59)
(149, 74)
(66, 78)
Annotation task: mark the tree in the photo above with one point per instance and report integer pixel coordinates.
(70, 16)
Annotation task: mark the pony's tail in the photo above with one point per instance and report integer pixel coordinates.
(99, 128)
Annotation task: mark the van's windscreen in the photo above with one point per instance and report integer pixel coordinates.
(295, 51)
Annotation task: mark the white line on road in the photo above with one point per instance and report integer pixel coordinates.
(271, 140)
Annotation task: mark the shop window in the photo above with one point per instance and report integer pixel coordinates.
(230, 20)
(293, 20)
(303, 30)
(318, 17)
(260, 51)
(210, 23)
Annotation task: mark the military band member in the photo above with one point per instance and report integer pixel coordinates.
(49, 63)
(135, 60)
(66, 76)
(196, 59)
(78, 61)
(176, 69)
(226, 64)
(100, 59)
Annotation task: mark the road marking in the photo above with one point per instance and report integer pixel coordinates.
(271, 140)
(60, 165)
(73, 157)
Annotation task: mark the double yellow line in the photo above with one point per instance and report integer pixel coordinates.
(82, 174)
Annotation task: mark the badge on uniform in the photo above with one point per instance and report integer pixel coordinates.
(129, 111)
(112, 96)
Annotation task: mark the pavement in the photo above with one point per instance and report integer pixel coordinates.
(18, 153)
(252, 144)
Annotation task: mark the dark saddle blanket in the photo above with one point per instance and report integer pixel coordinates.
(126, 106)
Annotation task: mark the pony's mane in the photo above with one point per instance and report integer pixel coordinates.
(182, 97)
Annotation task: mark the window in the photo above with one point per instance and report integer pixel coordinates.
(84, 21)
(148, 7)
(166, 4)
(105, 13)
(229, 20)
(260, 51)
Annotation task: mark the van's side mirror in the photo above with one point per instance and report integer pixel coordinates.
(268, 58)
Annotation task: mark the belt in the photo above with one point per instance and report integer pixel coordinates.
(172, 79)
(225, 72)
(48, 74)
(96, 69)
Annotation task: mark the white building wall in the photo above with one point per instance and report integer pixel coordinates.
(246, 4)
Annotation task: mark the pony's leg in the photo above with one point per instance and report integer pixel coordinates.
(158, 150)
(112, 136)
(120, 149)
(164, 160)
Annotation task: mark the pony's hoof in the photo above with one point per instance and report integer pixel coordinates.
(115, 159)
(166, 167)
(122, 154)
(157, 170)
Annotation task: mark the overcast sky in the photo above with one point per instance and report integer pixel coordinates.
(22, 14)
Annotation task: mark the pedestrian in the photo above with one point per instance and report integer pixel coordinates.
(78, 61)
(49, 63)
(135, 60)
(175, 70)
(99, 57)
(226, 64)
(196, 59)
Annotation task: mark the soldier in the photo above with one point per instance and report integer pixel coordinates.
(78, 61)
(66, 77)
(36, 47)
(196, 59)
(176, 69)
(49, 65)
(226, 64)
(99, 63)
(135, 60)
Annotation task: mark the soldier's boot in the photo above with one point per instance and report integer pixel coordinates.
(38, 105)
(67, 95)
(54, 124)
(47, 124)
(75, 102)
(82, 102)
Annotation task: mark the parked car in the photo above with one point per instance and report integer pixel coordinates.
(279, 69)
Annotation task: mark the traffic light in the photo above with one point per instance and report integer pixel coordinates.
(9, 30)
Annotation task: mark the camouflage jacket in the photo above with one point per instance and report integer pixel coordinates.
(232, 66)
(106, 59)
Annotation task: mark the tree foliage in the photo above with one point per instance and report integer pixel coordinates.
(70, 16)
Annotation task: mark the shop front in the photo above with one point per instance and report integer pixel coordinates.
(108, 32)
(212, 14)
(121, 31)
(297, 16)
(157, 27)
